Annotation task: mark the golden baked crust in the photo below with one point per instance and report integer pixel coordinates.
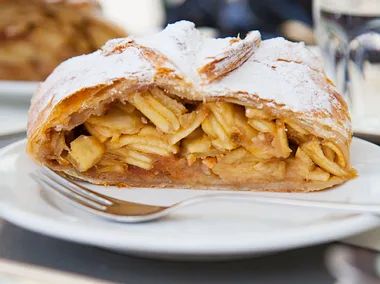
(285, 126)
(36, 35)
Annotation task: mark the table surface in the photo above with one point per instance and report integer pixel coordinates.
(294, 266)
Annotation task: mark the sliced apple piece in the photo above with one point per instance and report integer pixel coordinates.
(85, 151)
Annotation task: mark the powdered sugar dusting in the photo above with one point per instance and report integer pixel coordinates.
(188, 50)
(275, 70)
(278, 70)
(278, 49)
(180, 42)
(285, 83)
(93, 69)
(292, 85)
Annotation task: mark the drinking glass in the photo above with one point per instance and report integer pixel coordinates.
(348, 34)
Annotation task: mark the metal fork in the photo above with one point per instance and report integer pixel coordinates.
(131, 212)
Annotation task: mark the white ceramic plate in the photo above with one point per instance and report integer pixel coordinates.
(14, 103)
(215, 230)
(361, 130)
(17, 90)
(13, 117)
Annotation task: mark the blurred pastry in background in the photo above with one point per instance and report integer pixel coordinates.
(36, 35)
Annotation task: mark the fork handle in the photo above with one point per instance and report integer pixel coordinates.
(349, 207)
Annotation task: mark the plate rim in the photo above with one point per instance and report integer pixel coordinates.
(48, 227)
(18, 90)
(21, 110)
(333, 230)
(15, 131)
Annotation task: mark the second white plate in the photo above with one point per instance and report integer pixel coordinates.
(17, 90)
(14, 103)
(216, 230)
(13, 117)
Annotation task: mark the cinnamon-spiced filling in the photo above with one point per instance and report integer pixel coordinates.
(230, 141)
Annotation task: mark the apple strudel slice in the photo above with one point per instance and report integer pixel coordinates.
(179, 110)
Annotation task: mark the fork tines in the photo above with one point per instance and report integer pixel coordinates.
(72, 190)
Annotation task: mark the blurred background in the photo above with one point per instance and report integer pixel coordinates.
(288, 18)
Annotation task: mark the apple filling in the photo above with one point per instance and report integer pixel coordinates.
(231, 142)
